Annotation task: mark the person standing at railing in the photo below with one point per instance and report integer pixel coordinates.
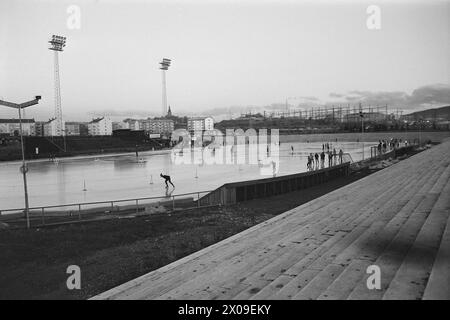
(341, 153)
(322, 159)
(330, 159)
(316, 156)
(308, 164)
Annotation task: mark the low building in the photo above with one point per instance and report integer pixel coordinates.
(12, 127)
(84, 129)
(100, 127)
(200, 123)
(75, 128)
(131, 124)
(120, 125)
(162, 126)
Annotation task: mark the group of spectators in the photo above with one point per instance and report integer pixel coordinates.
(317, 160)
(387, 145)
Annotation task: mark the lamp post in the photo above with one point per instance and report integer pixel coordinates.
(165, 64)
(406, 131)
(361, 114)
(420, 131)
(23, 168)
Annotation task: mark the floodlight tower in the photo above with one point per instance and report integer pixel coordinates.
(165, 64)
(57, 45)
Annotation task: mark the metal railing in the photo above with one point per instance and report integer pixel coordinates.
(375, 153)
(97, 210)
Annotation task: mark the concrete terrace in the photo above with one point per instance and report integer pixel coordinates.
(397, 218)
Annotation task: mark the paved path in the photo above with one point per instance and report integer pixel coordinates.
(397, 219)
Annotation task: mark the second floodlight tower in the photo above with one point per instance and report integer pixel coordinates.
(165, 64)
(57, 44)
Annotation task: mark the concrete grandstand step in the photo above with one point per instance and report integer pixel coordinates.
(411, 278)
(367, 251)
(324, 258)
(438, 286)
(282, 263)
(392, 256)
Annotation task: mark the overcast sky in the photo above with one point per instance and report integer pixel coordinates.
(224, 53)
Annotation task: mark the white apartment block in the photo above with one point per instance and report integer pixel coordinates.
(100, 127)
(50, 128)
(209, 123)
(200, 124)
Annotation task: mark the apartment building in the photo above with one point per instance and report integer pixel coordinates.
(100, 127)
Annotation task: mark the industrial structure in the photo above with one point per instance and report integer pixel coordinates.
(342, 114)
(57, 45)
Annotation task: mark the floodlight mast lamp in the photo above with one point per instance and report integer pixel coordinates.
(23, 168)
(165, 64)
(57, 45)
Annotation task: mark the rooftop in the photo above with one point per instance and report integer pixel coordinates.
(97, 120)
(16, 121)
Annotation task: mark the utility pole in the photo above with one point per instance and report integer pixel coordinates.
(361, 114)
(23, 168)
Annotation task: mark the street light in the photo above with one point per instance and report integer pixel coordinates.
(23, 168)
(361, 114)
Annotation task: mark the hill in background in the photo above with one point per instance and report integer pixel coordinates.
(442, 113)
